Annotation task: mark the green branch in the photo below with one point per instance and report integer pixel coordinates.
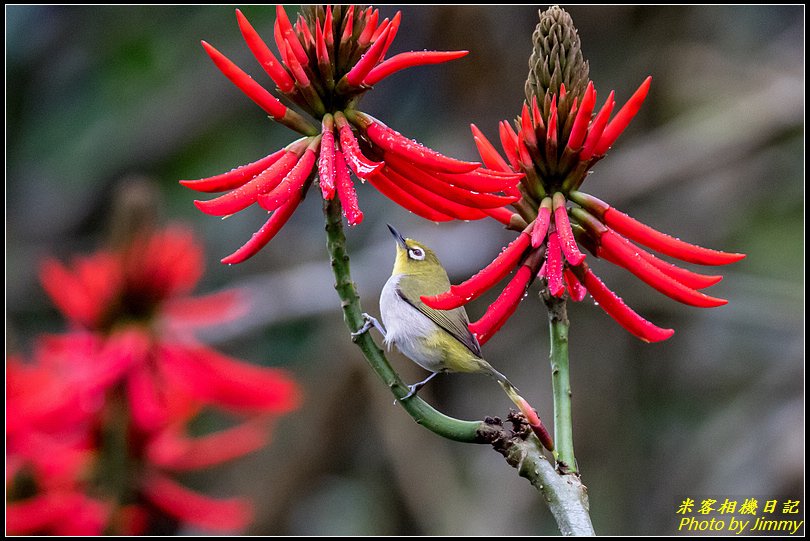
(565, 495)
(561, 385)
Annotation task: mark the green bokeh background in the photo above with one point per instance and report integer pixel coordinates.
(99, 98)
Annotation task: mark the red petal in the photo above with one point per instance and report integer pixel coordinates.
(147, 401)
(596, 129)
(289, 35)
(509, 142)
(646, 235)
(372, 56)
(393, 142)
(583, 118)
(32, 515)
(401, 197)
(261, 237)
(541, 223)
(322, 55)
(57, 513)
(392, 33)
(292, 185)
(503, 215)
(440, 203)
(328, 33)
(503, 307)
(568, 243)
(622, 118)
(195, 508)
(383, 26)
(228, 382)
(346, 192)
(482, 281)
(242, 80)
(71, 296)
(480, 180)
(630, 260)
(264, 55)
(551, 133)
(619, 311)
(348, 29)
(554, 266)
(489, 155)
(303, 31)
(247, 194)
(85, 516)
(527, 128)
(686, 277)
(360, 165)
(370, 18)
(174, 450)
(206, 310)
(441, 187)
(326, 163)
(575, 289)
(296, 68)
(234, 178)
(408, 60)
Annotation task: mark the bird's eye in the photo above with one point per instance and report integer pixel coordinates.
(417, 253)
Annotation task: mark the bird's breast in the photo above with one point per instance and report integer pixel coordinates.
(408, 328)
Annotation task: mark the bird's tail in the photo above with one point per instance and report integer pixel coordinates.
(525, 408)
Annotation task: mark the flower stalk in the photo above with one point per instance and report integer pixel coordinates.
(561, 385)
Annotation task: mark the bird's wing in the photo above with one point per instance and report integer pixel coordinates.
(453, 321)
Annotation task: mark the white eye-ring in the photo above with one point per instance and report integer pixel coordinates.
(416, 253)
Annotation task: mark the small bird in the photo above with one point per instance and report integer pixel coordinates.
(437, 340)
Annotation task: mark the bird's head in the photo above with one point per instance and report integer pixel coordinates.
(413, 257)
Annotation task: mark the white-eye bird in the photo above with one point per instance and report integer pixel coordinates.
(437, 340)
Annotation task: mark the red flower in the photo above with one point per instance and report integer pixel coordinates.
(557, 141)
(329, 59)
(132, 368)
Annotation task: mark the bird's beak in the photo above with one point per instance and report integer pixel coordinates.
(400, 238)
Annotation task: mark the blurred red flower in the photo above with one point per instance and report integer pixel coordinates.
(97, 423)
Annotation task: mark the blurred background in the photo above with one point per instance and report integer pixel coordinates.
(101, 97)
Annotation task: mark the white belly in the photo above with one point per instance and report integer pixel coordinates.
(407, 328)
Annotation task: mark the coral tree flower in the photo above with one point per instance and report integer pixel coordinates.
(326, 61)
(558, 137)
(130, 371)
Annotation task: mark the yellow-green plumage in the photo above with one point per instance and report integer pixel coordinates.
(437, 340)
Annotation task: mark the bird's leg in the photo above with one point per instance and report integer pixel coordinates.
(368, 323)
(416, 386)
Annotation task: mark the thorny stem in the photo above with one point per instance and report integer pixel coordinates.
(561, 386)
(565, 495)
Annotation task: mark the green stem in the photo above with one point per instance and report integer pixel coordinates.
(565, 495)
(421, 411)
(561, 386)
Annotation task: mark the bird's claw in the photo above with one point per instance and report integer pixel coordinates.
(368, 323)
(412, 390)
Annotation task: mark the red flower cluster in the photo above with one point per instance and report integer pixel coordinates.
(97, 423)
(329, 58)
(555, 147)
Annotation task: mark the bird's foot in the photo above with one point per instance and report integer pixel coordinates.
(413, 389)
(368, 323)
